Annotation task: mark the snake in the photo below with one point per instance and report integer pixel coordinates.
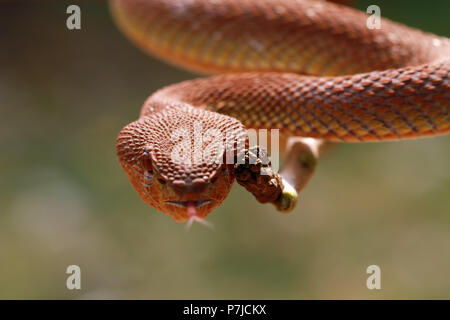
(307, 68)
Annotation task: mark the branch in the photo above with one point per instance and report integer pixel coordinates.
(280, 189)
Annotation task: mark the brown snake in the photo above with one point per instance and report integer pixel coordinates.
(308, 68)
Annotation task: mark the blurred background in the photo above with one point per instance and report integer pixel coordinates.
(64, 199)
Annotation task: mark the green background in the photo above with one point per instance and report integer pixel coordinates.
(64, 96)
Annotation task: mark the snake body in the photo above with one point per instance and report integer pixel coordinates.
(308, 68)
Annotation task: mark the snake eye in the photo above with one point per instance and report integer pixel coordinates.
(161, 181)
(147, 163)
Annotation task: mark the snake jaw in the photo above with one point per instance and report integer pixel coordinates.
(188, 204)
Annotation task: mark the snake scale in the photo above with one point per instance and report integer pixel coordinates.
(308, 68)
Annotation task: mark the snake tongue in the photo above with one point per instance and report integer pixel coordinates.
(192, 212)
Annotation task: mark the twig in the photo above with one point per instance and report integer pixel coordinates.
(281, 189)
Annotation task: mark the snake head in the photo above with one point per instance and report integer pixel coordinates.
(181, 169)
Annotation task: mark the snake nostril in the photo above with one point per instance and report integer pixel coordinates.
(161, 181)
(179, 186)
(199, 184)
(182, 187)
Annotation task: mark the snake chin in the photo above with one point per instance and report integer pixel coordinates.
(184, 204)
(193, 210)
(182, 211)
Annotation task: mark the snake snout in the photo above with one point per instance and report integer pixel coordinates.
(195, 186)
(196, 191)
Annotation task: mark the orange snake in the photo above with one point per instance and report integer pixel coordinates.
(304, 67)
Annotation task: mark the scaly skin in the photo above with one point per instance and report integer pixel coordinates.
(307, 68)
